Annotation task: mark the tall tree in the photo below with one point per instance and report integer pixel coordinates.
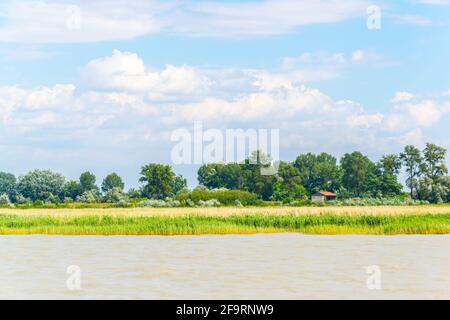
(413, 162)
(157, 179)
(357, 173)
(289, 185)
(42, 185)
(87, 182)
(72, 189)
(178, 184)
(254, 181)
(388, 169)
(7, 183)
(112, 180)
(220, 175)
(434, 159)
(318, 172)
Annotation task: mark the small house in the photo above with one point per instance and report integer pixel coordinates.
(323, 196)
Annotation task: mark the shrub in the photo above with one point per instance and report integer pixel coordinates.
(116, 195)
(209, 203)
(224, 196)
(152, 203)
(237, 203)
(87, 197)
(20, 199)
(4, 200)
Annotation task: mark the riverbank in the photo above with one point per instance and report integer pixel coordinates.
(351, 220)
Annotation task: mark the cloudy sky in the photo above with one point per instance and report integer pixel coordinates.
(101, 86)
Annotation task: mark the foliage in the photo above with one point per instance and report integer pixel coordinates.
(224, 196)
(318, 172)
(42, 185)
(87, 182)
(111, 181)
(168, 203)
(72, 189)
(7, 183)
(413, 162)
(358, 173)
(116, 195)
(158, 179)
(246, 183)
(88, 197)
(434, 161)
(4, 200)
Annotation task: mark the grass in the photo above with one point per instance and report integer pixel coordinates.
(209, 221)
(232, 211)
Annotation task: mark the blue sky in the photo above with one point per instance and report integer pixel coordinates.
(102, 86)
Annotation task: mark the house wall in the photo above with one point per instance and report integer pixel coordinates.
(318, 198)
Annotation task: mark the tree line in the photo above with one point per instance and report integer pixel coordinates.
(354, 175)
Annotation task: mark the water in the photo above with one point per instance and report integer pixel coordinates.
(275, 266)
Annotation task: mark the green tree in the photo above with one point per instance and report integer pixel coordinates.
(42, 185)
(358, 173)
(72, 189)
(112, 180)
(7, 183)
(254, 181)
(434, 160)
(220, 175)
(178, 184)
(388, 169)
(157, 179)
(87, 182)
(318, 172)
(413, 162)
(289, 185)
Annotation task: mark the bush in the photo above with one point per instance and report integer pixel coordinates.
(237, 203)
(87, 197)
(4, 201)
(152, 203)
(20, 199)
(397, 201)
(116, 195)
(224, 196)
(209, 203)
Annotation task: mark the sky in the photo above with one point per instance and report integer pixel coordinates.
(102, 85)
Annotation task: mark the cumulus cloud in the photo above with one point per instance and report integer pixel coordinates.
(123, 103)
(126, 71)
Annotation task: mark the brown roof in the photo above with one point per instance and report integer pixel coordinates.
(326, 193)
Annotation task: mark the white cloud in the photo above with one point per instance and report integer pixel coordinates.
(126, 71)
(51, 21)
(402, 96)
(267, 17)
(54, 21)
(122, 103)
(409, 115)
(365, 120)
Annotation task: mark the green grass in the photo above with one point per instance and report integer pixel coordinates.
(238, 224)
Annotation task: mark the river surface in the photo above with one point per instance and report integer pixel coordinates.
(264, 266)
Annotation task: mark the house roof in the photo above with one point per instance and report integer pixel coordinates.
(326, 193)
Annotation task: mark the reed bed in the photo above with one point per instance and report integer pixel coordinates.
(231, 224)
(233, 211)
